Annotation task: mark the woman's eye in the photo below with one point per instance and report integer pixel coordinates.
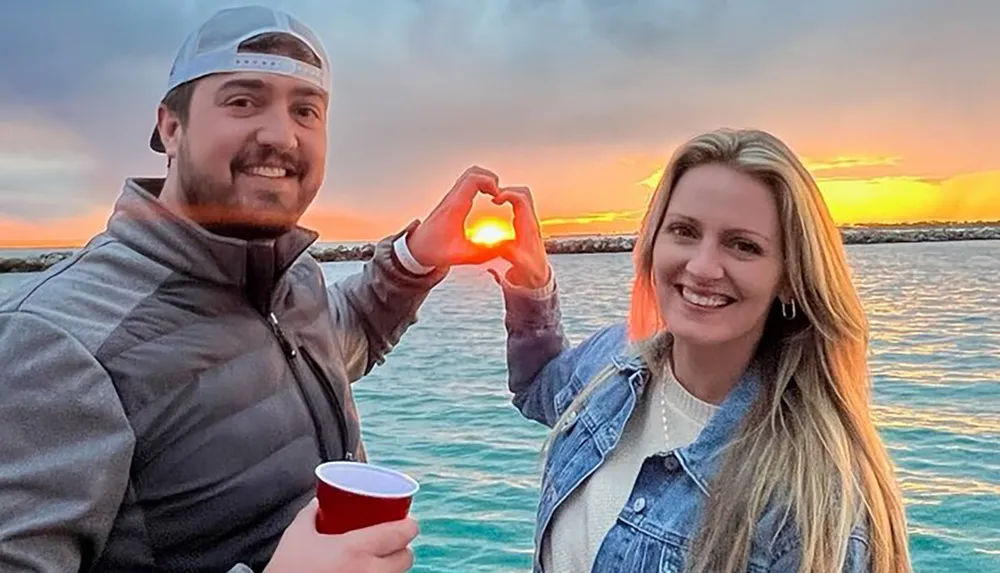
(748, 247)
(681, 231)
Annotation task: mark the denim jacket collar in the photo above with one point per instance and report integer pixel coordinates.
(701, 458)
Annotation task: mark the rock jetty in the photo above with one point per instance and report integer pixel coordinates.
(597, 244)
(32, 264)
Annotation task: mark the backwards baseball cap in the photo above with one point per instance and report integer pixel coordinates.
(214, 48)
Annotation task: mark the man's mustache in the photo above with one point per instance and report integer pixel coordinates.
(257, 155)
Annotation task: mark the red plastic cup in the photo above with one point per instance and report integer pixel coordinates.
(355, 495)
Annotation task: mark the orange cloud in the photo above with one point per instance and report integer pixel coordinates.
(72, 232)
(653, 180)
(68, 232)
(853, 199)
(902, 199)
(335, 225)
(845, 162)
(607, 222)
(572, 201)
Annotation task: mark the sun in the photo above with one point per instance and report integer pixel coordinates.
(489, 231)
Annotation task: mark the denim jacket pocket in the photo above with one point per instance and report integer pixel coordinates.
(672, 559)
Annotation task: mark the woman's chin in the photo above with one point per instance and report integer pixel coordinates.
(698, 338)
(701, 332)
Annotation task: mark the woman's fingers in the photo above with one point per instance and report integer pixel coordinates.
(525, 219)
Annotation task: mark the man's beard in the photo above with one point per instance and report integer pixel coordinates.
(214, 205)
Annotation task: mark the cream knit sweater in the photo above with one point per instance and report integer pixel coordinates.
(581, 522)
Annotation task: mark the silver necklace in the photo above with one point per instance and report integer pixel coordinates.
(663, 407)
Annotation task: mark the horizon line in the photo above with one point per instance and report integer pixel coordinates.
(56, 247)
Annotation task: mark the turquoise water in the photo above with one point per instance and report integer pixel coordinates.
(439, 408)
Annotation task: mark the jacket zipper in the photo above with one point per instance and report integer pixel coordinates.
(331, 396)
(290, 354)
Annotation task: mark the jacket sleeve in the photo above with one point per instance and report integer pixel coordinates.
(541, 363)
(372, 309)
(65, 449)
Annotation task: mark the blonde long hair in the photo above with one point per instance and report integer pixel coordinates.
(808, 442)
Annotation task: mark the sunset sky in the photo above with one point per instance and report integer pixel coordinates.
(894, 104)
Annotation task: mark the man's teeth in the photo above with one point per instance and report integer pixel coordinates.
(263, 171)
(713, 301)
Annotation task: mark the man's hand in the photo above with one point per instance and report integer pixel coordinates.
(378, 549)
(440, 241)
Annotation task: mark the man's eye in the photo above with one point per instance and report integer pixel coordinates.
(240, 102)
(309, 112)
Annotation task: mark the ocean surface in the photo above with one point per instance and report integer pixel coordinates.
(440, 410)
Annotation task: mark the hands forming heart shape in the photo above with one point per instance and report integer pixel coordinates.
(440, 240)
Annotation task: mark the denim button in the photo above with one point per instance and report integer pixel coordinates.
(670, 463)
(639, 504)
(569, 422)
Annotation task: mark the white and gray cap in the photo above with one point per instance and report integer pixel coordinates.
(214, 48)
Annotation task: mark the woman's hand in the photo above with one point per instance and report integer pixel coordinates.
(526, 253)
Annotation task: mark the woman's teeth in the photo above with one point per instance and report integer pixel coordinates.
(712, 301)
(262, 171)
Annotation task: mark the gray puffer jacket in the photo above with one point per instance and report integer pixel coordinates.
(168, 393)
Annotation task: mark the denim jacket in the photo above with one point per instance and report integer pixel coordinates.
(658, 520)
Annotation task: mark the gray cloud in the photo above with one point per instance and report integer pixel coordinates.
(424, 88)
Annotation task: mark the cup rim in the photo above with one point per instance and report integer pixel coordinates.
(414, 484)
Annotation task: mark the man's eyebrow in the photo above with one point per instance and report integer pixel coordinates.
(309, 91)
(261, 85)
(244, 83)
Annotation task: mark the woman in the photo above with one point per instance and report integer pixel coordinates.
(726, 427)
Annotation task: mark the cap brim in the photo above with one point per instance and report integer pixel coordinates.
(155, 143)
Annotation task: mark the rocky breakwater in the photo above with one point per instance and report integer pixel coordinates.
(874, 235)
(32, 264)
(597, 244)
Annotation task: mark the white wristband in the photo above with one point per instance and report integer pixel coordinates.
(406, 258)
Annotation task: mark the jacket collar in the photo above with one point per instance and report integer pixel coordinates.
(144, 224)
(701, 458)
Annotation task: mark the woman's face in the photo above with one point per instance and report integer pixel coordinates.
(717, 258)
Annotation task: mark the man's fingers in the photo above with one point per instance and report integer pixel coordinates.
(397, 562)
(385, 538)
(477, 180)
(306, 517)
(477, 254)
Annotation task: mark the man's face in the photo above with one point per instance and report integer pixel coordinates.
(253, 153)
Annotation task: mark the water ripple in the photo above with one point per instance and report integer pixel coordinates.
(439, 407)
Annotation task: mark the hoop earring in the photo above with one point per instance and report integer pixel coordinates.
(788, 314)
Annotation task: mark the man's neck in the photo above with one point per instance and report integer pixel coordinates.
(171, 197)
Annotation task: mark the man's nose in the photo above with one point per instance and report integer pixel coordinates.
(278, 131)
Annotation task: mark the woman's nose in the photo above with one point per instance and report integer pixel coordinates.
(705, 263)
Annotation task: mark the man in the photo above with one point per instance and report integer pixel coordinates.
(169, 390)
